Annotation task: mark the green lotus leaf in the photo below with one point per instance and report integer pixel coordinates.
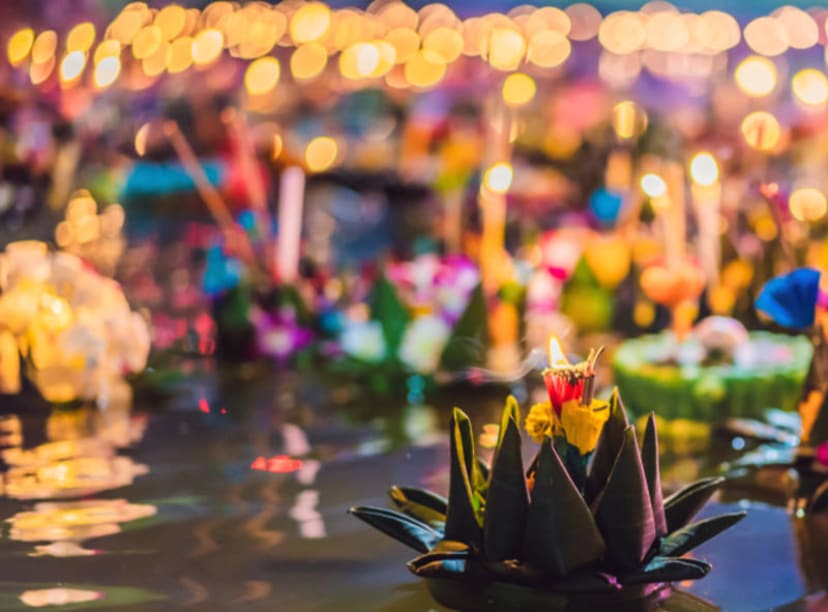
(666, 569)
(687, 538)
(462, 349)
(623, 510)
(386, 307)
(507, 500)
(420, 504)
(609, 443)
(684, 504)
(399, 526)
(463, 520)
(649, 457)
(561, 535)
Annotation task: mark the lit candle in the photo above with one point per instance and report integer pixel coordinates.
(706, 190)
(291, 200)
(567, 381)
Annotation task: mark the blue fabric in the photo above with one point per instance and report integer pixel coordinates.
(155, 179)
(221, 273)
(605, 205)
(790, 300)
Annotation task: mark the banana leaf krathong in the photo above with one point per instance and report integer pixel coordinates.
(515, 539)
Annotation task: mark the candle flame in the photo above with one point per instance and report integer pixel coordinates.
(556, 354)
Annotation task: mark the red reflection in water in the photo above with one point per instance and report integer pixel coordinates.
(278, 464)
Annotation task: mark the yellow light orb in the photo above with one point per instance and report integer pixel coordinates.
(425, 69)
(548, 18)
(653, 185)
(141, 140)
(262, 75)
(107, 48)
(276, 147)
(171, 20)
(629, 120)
(622, 32)
(72, 65)
(756, 76)
(761, 130)
(507, 48)
(810, 87)
(107, 71)
(156, 63)
(310, 23)
(703, 169)
(766, 36)
(146, 41)
(81, 37)
(445, 41)
(262, 34)
(387, 58)
(406, 42)
(498, 177)
(308, 61)
(321, 153)
(39, 72)
(802, 30)
(718, 31)
(359, 60)
(44, 46)
(548, 48)
(518, 89)
(128, 23)
(207, 46)
(19, 46)
(179, 55)
(808, 204)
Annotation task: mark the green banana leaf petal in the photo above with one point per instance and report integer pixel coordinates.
(609, 444)
(483, 469)
(399, 526)
(623, 510)
(649, 457)
(687, 538)
(684, 504)
(510, 411)
(463, 516)
(561, 535)
(420, 504)
(387, 308)
(470, 334)
(448, 564)
(573, 462)
(666, 569)
(507, 500)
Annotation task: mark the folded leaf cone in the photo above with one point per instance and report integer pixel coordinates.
(555, 539)
(623, 510)
(507, 499)
(561, 535)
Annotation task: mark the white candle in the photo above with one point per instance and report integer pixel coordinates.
(291, 200)
(706, 190)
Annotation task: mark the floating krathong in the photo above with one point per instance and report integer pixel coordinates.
(586, 524)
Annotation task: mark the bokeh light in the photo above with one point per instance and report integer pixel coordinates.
(756, 76)
(72, 65)
(761, 130)
(19, 46)
(308, 61)
(310, 22)
(321, 153)
(107, 71)
(207, 46)
(703, 169)
(518, 89)
(810, 87)
(653, 185)
(262, 76)
(81, 37)
(808, 204)
(498, 177)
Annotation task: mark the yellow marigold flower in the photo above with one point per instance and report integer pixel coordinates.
(583, 424)
(542, 422)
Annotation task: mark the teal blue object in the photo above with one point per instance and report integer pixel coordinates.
(605, 205)
(148, 179)
(790, 300)
(222, 273)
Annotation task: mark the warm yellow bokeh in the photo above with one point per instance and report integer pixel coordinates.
(81, 37)
(756, 76)
(20, 45)
(310, 23)
(207, 46)
(321, 153)
(761, 130)
(308, 61)
(44, 46)
(810, 87)
(703, 169)
(72, 65)
(107, 71)
(518, 89)
(262, 76)
(808, 204)
(498, 178)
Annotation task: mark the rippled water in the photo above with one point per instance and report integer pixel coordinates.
(233, 496)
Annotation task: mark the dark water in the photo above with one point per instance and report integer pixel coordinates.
(233, 496)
